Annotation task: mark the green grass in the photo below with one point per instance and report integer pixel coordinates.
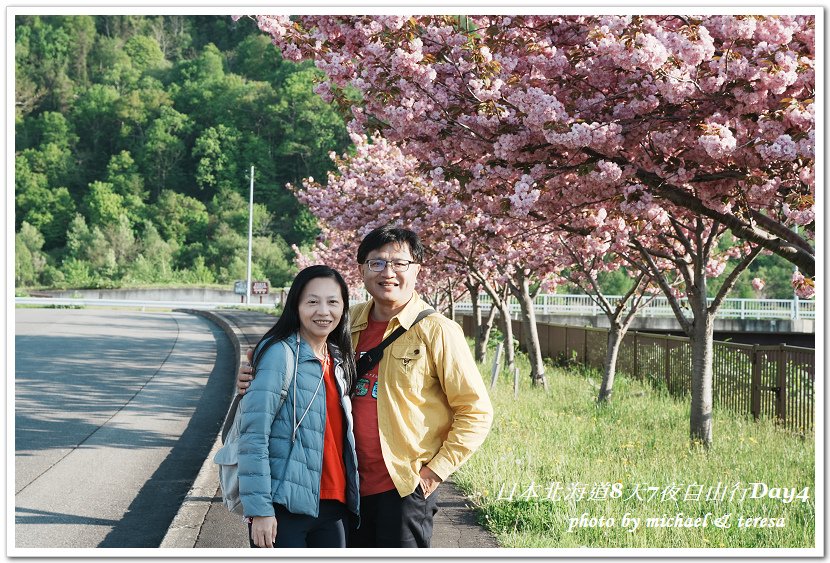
(642, 437)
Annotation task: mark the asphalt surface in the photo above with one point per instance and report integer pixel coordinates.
(114, 412)
(204, 523)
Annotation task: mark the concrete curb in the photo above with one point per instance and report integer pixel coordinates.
(186, 525)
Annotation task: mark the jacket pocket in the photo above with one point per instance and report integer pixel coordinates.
(409, 358)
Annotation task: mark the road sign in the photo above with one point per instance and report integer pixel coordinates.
(239, 287)
(259, 288)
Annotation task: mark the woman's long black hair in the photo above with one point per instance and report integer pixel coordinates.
(289, 321)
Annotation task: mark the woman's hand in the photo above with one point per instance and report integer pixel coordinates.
(245, 375)
(264, 531)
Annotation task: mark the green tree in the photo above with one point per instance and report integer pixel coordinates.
(227, 255)
(145, 53)
(81, 32)
(172, 33)
(77, 273)
(217, 167)
(110, 65)
(49, 210)
(155, 120)
(46, 128)
(154, 259)
(270, 261)
(164, 147)
(199, 273)
(121, 26)
(137, 108)
(121, 240)
(42, 52)
(180, 218)
(97, 125)
(257, 58)
(306, 130)
(55, 163)
(90, 257)
(28, 91)
(103, 206)
(29, 259)
(127, 182)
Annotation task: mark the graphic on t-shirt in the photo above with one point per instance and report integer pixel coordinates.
(375, 390)
(362, 387)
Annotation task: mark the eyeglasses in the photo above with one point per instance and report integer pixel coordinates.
(379, 264)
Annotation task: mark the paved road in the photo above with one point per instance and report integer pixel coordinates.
(114, 414)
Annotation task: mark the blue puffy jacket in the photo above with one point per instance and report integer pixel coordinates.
(272, 468)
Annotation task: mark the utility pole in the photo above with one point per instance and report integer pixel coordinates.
(250, 236)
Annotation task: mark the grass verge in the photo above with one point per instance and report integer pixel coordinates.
(558, 471)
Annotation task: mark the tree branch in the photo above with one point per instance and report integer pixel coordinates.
(732, 278)
(798, 254)
(661, 281)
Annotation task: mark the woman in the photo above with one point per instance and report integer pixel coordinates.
(297, 466)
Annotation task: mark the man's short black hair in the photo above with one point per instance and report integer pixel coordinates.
(386, 234)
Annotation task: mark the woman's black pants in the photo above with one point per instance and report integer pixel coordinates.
(299, 530)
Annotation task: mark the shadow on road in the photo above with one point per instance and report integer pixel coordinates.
(152, 510)
(42, 517)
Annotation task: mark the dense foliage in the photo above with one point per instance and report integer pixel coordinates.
(134, 138)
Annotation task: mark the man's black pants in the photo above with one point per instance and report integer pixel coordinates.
(387, 520)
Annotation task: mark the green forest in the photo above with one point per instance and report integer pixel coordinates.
(134, 139)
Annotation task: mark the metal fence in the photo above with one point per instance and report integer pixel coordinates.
(761, 381)
(731, 308)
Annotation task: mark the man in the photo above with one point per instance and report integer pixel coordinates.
(421, 412)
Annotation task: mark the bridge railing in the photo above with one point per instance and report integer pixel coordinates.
(545, 303)
(583, 305)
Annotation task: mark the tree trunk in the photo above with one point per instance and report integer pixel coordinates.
(479, 349)
(615, 338)
(483, 330)
(700, 420)
(507, 330)
(531, 332)
(452, 304)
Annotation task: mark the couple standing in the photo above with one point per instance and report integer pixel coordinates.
(406, 424)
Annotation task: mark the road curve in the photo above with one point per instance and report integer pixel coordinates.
(114, 413)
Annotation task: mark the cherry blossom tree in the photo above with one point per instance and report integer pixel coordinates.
(468, 249)
(712, 113)
(682, 246)
(597, 243)
(693, 124)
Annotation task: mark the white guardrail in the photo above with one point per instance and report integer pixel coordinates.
(546, 304)
(142, 304)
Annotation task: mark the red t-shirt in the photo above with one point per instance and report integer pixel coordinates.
(374, 477)
(333, 478)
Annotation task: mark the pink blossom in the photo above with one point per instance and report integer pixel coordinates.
(805, 288)
(783, 148)
(718, 141)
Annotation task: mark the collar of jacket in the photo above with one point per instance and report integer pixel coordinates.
(360, 318)
(306, 353)
(336, 355)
